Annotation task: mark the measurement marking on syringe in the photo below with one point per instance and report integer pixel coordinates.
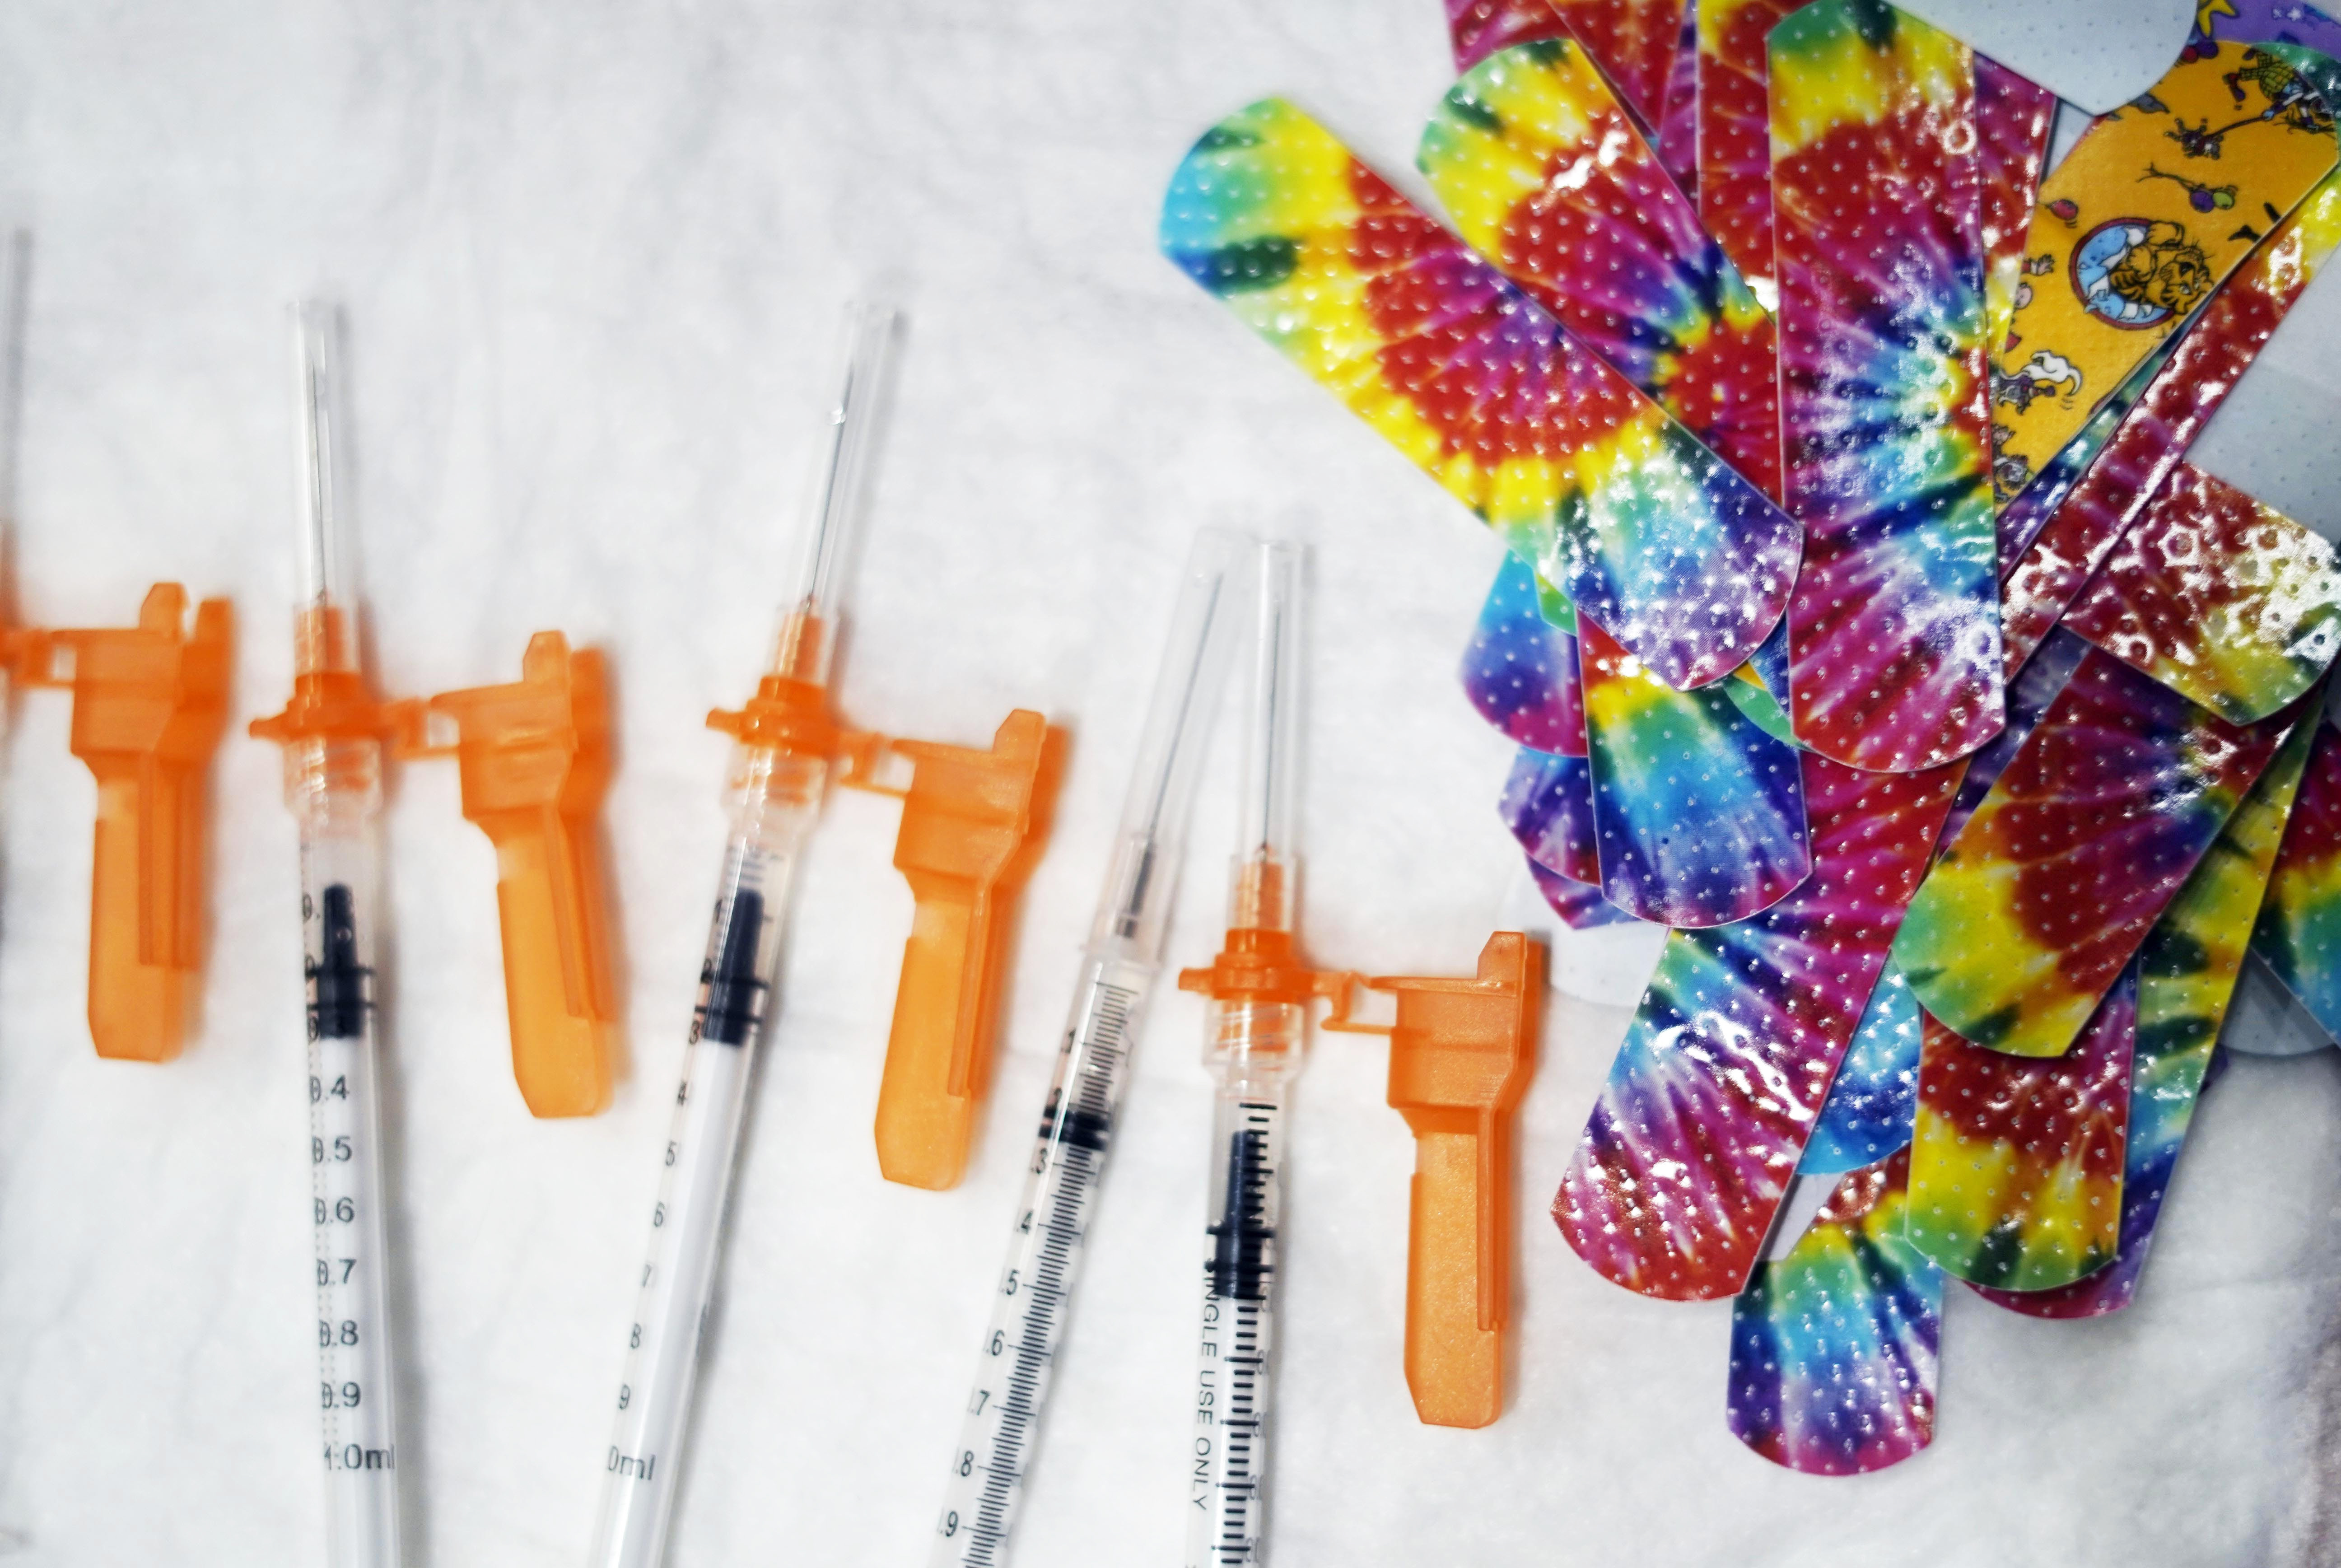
(1238, 1324)
(1241, 1427)
(1073, 1135)
(350, 1456)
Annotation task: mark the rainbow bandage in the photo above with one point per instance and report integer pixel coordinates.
(1874, 1099)
(1542, 170)
(2229, 603)
(1579, 904)
(1520, 670)
(1835, 1347)
(1735, 160)
(1894, 628)
(1700, 815)
(2074, 853)
(1580, 475)
(2299, 931)
(2015, 1171)
(1548, 803)
(1712, 1096)
(2186, 976)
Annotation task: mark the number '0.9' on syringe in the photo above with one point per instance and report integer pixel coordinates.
(988, 1463)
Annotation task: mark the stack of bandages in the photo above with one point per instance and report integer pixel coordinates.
(1862, 620)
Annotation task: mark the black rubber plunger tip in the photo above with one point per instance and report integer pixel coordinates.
(735, 997)
(339, 986)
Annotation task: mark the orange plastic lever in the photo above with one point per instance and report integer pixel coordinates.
(972, 825)
(149, 705)
(1461, 1054)
(535, 761)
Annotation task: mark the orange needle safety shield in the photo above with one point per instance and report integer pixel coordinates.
(1461, 1054)
(150, 701)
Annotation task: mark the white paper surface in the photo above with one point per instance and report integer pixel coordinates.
(2100, 53)
(590, 253)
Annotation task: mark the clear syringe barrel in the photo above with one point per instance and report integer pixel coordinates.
(1033, 1292)
(1253, 1046)
(775, 800)
(334, 788)
(332, 782)
(1227, 1464)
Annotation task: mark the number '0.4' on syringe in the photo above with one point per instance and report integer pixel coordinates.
(994, 1453)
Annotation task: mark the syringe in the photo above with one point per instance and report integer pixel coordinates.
(774, 791)
(333, 782)
(1254, 1047)
(989, 1463)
